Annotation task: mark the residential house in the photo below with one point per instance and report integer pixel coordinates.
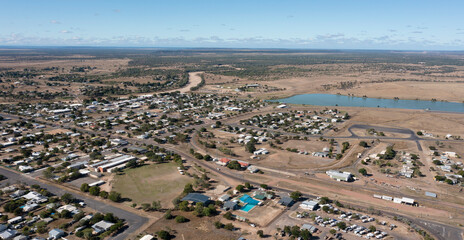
(286, 201)
(196, 198)
(56, 233)
(101, 226)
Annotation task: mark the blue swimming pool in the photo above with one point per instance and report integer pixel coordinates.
(250, 203)
(247, 207)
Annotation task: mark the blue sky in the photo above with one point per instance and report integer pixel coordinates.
(328, 24)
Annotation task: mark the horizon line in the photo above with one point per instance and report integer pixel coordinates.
(222, 48)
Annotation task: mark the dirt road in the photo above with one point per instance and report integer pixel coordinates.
(194, 80)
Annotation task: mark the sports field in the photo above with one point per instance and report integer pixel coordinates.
(151, 183)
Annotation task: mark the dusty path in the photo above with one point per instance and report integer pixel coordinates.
(194, 80)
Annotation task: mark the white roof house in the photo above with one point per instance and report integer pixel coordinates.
(339, 176)
(224, 198)
(147, 237)
(8, 234)
(102, 226)
(309, 205)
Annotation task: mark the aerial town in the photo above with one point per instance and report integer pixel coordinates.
(229, 138)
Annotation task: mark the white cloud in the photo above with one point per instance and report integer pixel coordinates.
(55, 22)
(326, 41)
(65, 31)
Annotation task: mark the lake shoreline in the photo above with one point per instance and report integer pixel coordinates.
(336, 100)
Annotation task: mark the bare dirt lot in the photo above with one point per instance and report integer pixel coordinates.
(195, 229)
(262, 215)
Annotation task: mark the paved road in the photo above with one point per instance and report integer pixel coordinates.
(133, 220)
(412, 135)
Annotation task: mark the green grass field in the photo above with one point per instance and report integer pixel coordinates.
(151, 182)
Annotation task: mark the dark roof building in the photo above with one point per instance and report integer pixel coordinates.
(309, 227)
(196, 198)
(286, 201)
(229, 205)
(137, 149)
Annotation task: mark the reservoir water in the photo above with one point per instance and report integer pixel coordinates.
(348, 101)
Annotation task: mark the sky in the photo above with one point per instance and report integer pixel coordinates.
(306, 24)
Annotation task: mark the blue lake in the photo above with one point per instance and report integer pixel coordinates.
(348, 101)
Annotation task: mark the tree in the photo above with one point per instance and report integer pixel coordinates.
(260, 233)
(146, 207)
(248, 185)
(65, 214)
(198, 209)
(324, 200)
(250, 146)
(296, 195)
(168, 214)
(94, 190)
(184, 206)
(78, 216)
(263, 186)
(18, 211)
(437, 162)
(209, 211)
(67, 198)
(363, 144)
(295, 230)
(240, 188)
(85, 187)
(115, 196)
(164, 235)
(363, 171)
(372, 228)
(103, 194)
(449, 181)
(229, 227)
(188, 188)
(156, 205)
(389, 153)
(131, 164)
(228, 216)
(305, 234)
(333, 231)
(181, 219)
(218, 224)
(325, 208)
(341, 225)
(48, 173)
(345, 146)
(234, 165)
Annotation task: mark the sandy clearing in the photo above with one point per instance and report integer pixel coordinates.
(194, 80)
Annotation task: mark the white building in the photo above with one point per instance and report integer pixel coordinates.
(339, 176)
